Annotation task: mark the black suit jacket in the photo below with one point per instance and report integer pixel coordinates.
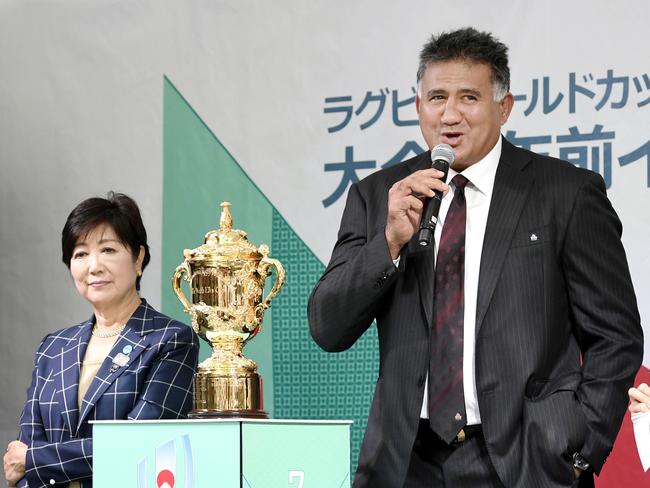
(543, 304)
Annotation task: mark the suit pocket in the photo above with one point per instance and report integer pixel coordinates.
(554, 428)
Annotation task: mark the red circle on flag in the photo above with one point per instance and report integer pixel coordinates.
(165, 476)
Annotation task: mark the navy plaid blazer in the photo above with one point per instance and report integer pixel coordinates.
(156, 383)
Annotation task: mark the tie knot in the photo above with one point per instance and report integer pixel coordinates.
(459, 181)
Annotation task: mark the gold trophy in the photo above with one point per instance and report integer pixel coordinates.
(226, 276)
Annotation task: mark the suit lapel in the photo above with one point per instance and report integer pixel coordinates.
(511, 188)
(120, 358)
(71, 357)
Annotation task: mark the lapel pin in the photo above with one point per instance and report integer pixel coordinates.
(533, 237)
(120, 360)
(127, 349)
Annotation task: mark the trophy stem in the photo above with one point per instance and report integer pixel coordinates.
(227, 384)
(232, 345)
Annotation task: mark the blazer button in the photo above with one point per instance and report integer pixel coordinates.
(421, 381)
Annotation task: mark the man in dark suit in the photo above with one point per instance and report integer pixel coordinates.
(506, 350)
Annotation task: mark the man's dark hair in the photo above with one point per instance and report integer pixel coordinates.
(471, 45)
(117, 210)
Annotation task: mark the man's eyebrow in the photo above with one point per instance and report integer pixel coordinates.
(462, 91)
(470, 91)
(436, 91)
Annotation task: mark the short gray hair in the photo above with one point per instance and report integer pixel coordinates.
(471, 45)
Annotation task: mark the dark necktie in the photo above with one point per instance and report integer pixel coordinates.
(446, 398)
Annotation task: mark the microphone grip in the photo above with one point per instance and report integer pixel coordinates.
(432, 207)
(429, 219)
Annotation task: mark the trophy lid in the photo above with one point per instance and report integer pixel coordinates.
(225, 243)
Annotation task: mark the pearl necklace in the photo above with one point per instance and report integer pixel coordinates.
(111, 333)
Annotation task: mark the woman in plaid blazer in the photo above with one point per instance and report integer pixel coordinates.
(127, 361)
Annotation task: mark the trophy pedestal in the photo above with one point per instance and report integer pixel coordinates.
(228, 396)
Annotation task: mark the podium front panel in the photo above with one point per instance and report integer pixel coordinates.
(300, 455)
(183, 454)
(228, 453)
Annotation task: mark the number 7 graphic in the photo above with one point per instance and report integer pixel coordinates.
(297, 475)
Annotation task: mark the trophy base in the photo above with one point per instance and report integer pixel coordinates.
(227, 396)
(220, 414)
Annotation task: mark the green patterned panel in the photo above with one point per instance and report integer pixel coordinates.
(310, 383)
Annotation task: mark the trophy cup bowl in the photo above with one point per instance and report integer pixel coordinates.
(226, 276)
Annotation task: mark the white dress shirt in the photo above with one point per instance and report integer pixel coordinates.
(478, 193)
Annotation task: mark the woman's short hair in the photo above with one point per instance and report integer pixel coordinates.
(117, 210)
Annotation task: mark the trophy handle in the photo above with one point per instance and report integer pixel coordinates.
(263, 270)
(181, 270)
(279, 279)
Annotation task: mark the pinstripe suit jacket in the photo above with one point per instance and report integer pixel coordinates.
(542, 303)
(157, 382)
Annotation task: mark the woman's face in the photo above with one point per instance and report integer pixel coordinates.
(104, 270)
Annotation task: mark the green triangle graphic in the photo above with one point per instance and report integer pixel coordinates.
(198, 174)
(300, 380)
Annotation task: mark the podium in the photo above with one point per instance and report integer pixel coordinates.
(221, 453)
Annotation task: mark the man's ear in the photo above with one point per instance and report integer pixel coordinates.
(505, 107)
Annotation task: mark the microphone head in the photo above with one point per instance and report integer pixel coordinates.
(444, 152)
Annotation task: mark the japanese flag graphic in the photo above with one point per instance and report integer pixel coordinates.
(166, 465)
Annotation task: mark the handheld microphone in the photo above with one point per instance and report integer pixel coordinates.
(442, 158)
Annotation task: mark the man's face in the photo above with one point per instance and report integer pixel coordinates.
(456, 106)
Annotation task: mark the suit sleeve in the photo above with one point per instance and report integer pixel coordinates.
(167, 393)
(31, 425)
(32, 430)
(45, 461)
(604, 308)
(58, 463)
(345, 300)
(168, 390)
